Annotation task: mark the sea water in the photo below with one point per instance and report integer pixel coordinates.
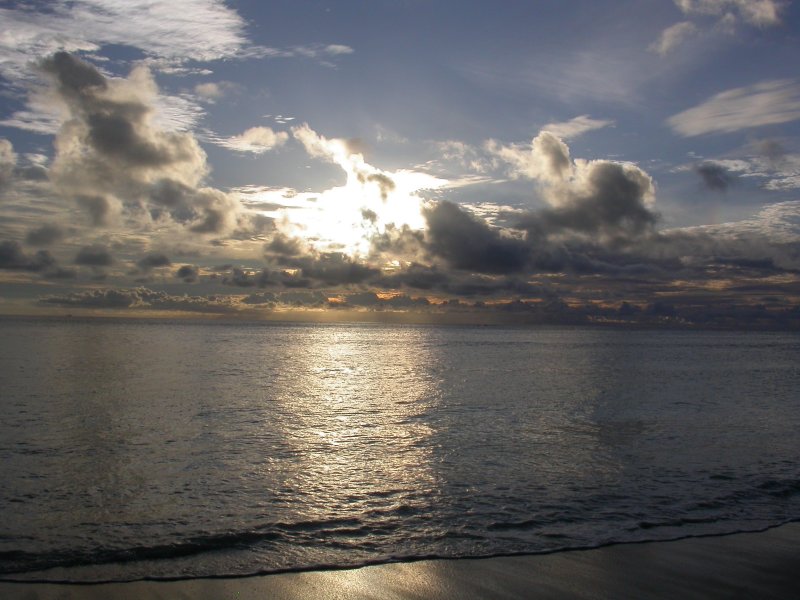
(167, 449)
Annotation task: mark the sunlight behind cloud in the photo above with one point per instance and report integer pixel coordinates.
(344, 218)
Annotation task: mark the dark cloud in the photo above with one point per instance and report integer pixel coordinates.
(61, 273)
(94, 256)
(99, 208)
(13, 258)
(75, 77)
(714, 177)
(611, 202)
(188, 273)
(335, 268)
(153, 261)
(415, 276)
(282, 246)
(319, 268)
(773, 151)
(468, 243)
(45, 235)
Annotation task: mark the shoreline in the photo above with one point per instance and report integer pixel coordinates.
(760, 564)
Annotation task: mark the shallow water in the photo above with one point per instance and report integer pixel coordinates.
(173, 449)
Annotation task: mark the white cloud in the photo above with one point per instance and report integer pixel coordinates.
(256, 140)
(8, 159)
(209, 91)
(765, 103)
(335, 49)
(672, 37)
(192, 29)
(761, 13)
(577, 126)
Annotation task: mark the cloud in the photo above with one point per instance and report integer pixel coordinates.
(313, 51)
(576, 126)
(199, 30)
(141, 298)
(8, 160)
(761, 13)
(256, 140)
(673, 36)
(113, 159)
(188, 273)
(337, 49)
(606, 200)
(153, 261)
(467, 243)
(13, 258)
(94, 256)
(546, 158)
(714, 176)
(765, 103)
(211, 91)
(45, 235)
(593, 197)
(332, 268)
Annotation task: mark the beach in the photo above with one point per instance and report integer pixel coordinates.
(743, 565)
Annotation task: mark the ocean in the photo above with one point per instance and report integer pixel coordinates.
(170, 449)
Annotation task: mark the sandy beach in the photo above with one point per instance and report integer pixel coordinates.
(745, 565)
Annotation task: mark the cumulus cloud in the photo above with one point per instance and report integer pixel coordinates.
(598, 197)
(546, 158)
(765, 103)
(576, 126)
(112, 158)
(466, 242)
(256, 140)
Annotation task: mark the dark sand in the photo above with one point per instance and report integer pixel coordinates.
(745, 565)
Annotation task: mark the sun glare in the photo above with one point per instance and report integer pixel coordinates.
(344, 218)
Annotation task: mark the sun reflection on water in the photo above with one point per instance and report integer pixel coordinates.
(357, 439)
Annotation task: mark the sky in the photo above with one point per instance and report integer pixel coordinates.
(403, 160)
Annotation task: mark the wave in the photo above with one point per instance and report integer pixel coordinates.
(189, 548)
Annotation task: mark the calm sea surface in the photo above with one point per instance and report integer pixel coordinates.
(169, 449)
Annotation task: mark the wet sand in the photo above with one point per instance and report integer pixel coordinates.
(746, 565)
